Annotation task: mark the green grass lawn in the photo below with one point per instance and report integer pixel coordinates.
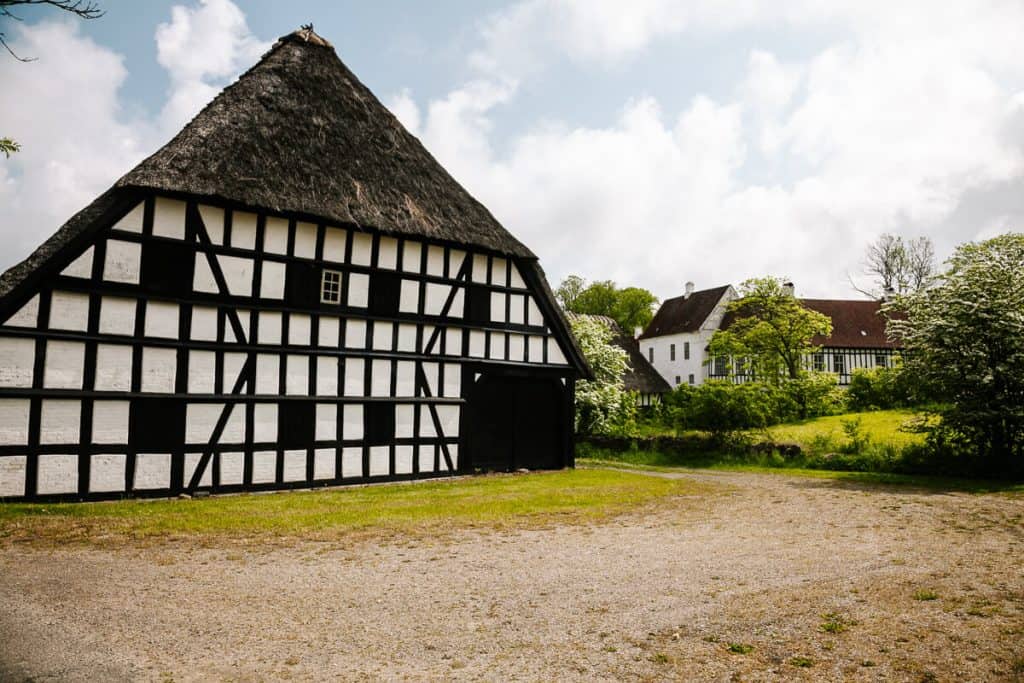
(883, 426)
(523, 500)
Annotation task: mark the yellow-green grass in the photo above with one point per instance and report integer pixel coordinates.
(347, 514)
(881, 426)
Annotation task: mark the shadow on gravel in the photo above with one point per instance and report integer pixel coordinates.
(871, 481)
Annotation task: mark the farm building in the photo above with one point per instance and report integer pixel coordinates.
(291, 293)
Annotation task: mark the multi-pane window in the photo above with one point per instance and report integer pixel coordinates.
(839, 364)
(721, 366)
(880, 360)
(677, 380)
(818, 362)
(330, 287)
(691, 379)
(686, 350)
(672, 353)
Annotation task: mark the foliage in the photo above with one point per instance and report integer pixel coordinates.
(9, 147)
(898, 267)
(771, 332)
(812, 394)
(630, 307)
(880, 389)
(724, 409)
(602, 405)
(964, 341)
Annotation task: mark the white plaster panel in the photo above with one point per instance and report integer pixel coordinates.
(327, 376)
(362, 248)
(449, 417)
(169, 218)
(297, 375)
(533, 314)
(161, 319)
(158, 369)
(428, 332)
(387, 253)
(555, 355)
(299, 325)
(132, 221)
(213, 221)
(294, 466)
(152, 471)
(497, 348)
(17, 358)
(515, 278)
(355, 334)
(452, 380)
(435, 260)
(380, 461)
(328, 335)
(426, 458)
(265, 423)
(477, 340)
(403, 459)
(270, 327)
(352, 421)
(57, 474)
(202, 372)
(113, 368)
(123, 262)
(323, 463)
(110, 422)
(275, 235)
(191, 463)
(453, 453)
(201, 419)
(334, 245)
(267, 378)
(426, 422)
(358, 289)
(272, 280)
(229, 329)
(326, 421)
(352, 462)
(405, 415)
(453, 341)
(106, 473)
(305, 240)
(455, 311)
(59, 421)
(233, 363)
(355, 370)
(264, 467)
(456, 257)
(405, 378)
(237, 274)
(409, 297)
(117, 315)
(204, 323)
(411, 257)
(435, 297)
(432, 373)
(380, 378)
(69, 311)
(516, 347)
(243, 230)
(498, 307)
(202, 276)
(81, 266)
(383, 333)
(535, 347)
(499, 271)
(232, 468)
(65, 364)
(517, 309)
(480, 268)
(27, 315)
(14, 421)
(12, 475)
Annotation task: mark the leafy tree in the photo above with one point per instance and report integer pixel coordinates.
(569, 290)
(8, 147)
(964, 341)
(602, 405)
(630, 307)
(897, 266)
(771, 331)
(599, 298)
(633, 308)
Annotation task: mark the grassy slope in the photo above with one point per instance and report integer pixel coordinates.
(347, 513)
(883, 426)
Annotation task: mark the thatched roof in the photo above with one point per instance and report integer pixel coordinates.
(684, 314)
(641, 375)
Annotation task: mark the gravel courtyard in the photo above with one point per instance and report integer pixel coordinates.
(766, 577)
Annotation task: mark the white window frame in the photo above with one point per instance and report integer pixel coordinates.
(330, 295)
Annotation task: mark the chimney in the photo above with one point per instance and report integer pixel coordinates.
(689, 290)
(889, 294)
(789, 289)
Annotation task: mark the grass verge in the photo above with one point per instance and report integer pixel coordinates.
(344, 514)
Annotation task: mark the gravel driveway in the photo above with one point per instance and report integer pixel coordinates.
(769, 578)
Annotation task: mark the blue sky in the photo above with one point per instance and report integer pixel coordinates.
(651, 142)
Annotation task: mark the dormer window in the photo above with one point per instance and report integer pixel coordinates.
(330, 287)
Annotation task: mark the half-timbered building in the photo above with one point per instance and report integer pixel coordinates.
(291, 293)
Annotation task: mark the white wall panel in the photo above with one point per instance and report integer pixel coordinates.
(409, 297)
(305, 240)
(327, 376)
(328, 335)
(407, 337)
(65, 365)
(480, 268)
(213, 221)
(517, 309)
(152, 471)
(57, 474)
(455, 259)
(358, 289)
(533, 314)
(380, 461)
(123, 262)
(362, 248)
(380, 378)
(435, 260)
(191, 463)
(204, 323)
(355, 334)
(294, 466)
(169, 218)
(403, 459)
(383, 333)
(453, 453)
(132, 221)
(202, 372)
(497, 348)
(229, 329)
(405, 414)
(81, 267)
(232, 468)
(265, 423)
(449, 417)
(106, 473)
(110, 422)
(270, 327)
(326, 421)
(323, 463)
(264, 467)
(117, 315)
(334, 245)
(355, 370)
(499, 271)
(69, 311)
(202, 276)
(387, 253)
(411, 256)
(432, 373)
(113, 368)
(275, 235)
(555, 355)
(297, 375)
(455, 311)
(267, 378)
(12, 475)
(59, 421)
(158, 369)
(426, 422)
(452, 380)
(352, 462)
(243, 230)
(272, 280)
(299, 325)
(17, 358)
(14, 421)
(405, 378)
(238, 274)
(516, 347)
(498, 307)
(515, 279)
(161, 319)
(435, 297)
(477, 340)
(535, 347)
(351, 421)
(201, 419)
(453, 341)
(233, 363)
(27, 315)
(426, 457)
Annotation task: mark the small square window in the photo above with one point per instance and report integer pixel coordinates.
(677, 380)
(691, 379)
(330, 287)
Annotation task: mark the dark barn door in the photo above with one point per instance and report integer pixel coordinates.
(516, 422)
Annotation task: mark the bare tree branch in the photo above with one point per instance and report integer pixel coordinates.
(84, 9)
